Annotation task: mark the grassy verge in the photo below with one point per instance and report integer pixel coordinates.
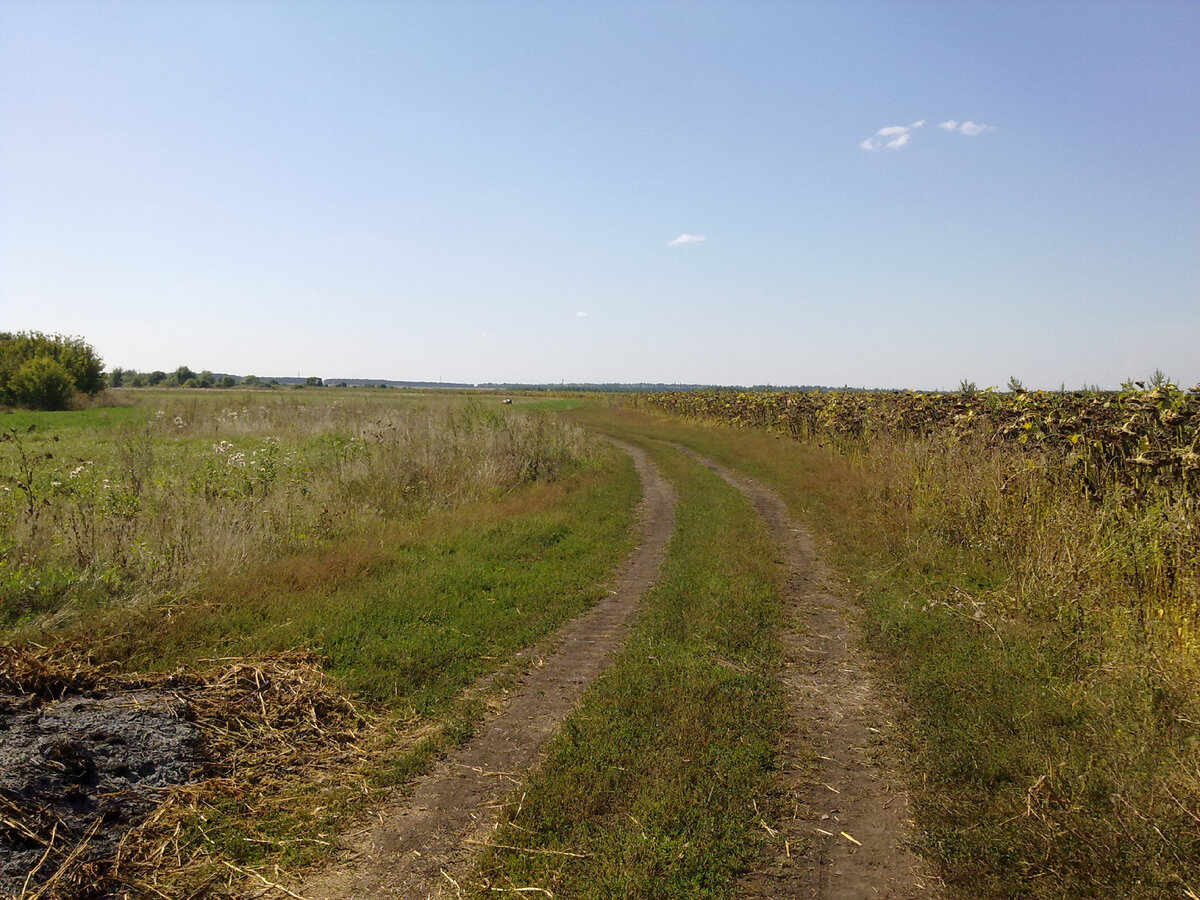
(653, 781)
(1051, 755)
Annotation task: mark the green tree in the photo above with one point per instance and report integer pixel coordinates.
(116, 378)
(42, 383)
(228, 381)
(251, 381)
(313, 381)
(183, 375)
(158, 376)
(77, 358)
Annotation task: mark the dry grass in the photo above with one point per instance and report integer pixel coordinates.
(203, 485)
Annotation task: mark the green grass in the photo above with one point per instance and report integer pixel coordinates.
(407, 616)
(656, 775)
(93, 418)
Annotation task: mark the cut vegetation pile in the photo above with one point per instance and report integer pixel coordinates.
(105, 780)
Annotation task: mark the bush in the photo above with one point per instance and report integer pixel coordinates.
(72, 356)
(42, 383)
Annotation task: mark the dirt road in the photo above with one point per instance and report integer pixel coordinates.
(422, 843)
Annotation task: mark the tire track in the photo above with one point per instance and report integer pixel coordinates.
(421, 841)
(850, 826)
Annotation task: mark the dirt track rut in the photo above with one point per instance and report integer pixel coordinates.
(423, 841)
(849, 837)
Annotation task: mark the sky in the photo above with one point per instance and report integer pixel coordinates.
(873, 194)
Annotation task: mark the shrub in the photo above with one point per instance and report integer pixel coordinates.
(83, 367)
(42, 383)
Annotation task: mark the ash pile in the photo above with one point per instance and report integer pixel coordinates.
(77, 772)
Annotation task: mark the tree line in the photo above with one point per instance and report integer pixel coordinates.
(50, 371)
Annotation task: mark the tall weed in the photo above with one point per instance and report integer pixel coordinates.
(202, 484)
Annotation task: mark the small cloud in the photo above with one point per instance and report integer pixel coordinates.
(483, 334)
(893, 137)
(974, 128)
(687, 239)
(969, 128)
(581, 315)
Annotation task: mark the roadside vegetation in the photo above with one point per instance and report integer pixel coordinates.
(1029, 570)
(335, 582)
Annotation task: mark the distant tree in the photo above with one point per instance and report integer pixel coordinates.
(206, 379)
(313, 381)
(183, 375)
(116, 378)
(192, 382)
(139, 380)
(84, 368)
(158, 376)
(228, 381)
(251, 381)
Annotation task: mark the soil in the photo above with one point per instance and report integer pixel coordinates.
(850, 835)
(419, 845)
(84, 769)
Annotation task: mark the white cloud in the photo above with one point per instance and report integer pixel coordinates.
(687, 239)
(893, 137)
(974, 128)
(969, 128)
(581, 315)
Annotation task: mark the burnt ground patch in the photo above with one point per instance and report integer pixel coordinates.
(103, 776)
(85, 769)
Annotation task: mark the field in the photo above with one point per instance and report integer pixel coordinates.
(346, 588)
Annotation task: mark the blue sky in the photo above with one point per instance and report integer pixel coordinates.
(493, 191)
